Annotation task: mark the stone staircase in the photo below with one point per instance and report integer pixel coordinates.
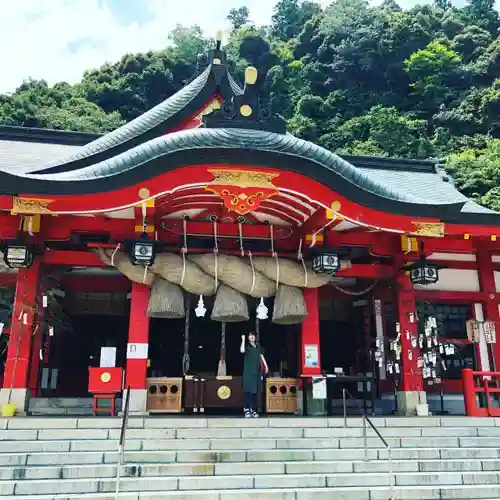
(262, 459)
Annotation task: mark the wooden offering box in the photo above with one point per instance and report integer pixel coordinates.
(281, 395)
(164, 395)
(212, 393)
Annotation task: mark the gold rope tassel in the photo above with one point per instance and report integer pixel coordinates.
(289, 306)
(166, 300)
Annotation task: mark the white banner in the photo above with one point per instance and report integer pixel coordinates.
(108, 357)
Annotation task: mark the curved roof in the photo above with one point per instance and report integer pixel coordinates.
(145, 148)
(266, 149)
(165, 116)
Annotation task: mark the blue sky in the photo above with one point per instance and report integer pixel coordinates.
(59, 39)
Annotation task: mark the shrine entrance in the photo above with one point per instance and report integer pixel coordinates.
(195, 360)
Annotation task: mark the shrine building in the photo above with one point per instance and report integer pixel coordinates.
(142, 256)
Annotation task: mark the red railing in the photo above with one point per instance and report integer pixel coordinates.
(484, 385)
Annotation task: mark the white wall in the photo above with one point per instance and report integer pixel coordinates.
(455, 280)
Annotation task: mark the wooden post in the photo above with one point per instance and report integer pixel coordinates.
(310, 353)
(137, 349)
(15, 383)
(487, 283)
(411, 392)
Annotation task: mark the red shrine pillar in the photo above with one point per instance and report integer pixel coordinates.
(37, 342)
(489, 311)
(411, 388)
(137, 348)
(21, 332)
(310, 358)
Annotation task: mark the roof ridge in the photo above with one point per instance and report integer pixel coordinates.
(46, 135)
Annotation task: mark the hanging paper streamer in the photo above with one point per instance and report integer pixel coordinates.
(200, 310)
(262, 310)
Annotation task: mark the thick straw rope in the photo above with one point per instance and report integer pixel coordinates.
(240, 231)
(242, 249)
(184, 251)
(275, 255)
(216, 254)
(300, 256)
(114, 253)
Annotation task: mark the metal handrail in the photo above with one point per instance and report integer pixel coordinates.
(365, 439)
(121, 444)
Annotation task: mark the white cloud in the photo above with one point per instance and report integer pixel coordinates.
(36, 35)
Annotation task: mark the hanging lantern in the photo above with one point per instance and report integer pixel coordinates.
(423, 271)
(326, 263)
(143, 251)
(17, 256)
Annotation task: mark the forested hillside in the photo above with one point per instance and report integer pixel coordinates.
(419, 83)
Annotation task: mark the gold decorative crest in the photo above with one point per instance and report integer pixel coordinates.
(243, 178)
(30, 206)
(430, 229)
(224, 392)
(212, 106)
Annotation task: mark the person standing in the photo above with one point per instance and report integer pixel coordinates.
(255, 365)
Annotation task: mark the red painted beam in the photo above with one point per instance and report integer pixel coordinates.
(72, 258)
(82, 283)
(386, 244)
(446, 296)
(8, 279)
(316, 222)
(371, 271)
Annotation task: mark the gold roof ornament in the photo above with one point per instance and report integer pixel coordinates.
(430, 229)
(30, 206)
(251, 75)
(243, 178)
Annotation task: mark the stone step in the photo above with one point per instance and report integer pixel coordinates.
(247, 433)
(243, 468)
(224, 456)
(220, 444)
(41, 423)
(464, 492)
(269, 481)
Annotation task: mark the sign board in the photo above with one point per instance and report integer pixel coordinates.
(319, 388)
(311, 356)
(473, 331)
(137, 351)
(490, 332)
(108, 357)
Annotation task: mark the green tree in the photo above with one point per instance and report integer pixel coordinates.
(435, 73)
(238, 17)
(290, 16)
(483, 14)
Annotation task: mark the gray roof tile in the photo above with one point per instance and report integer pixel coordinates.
(22, 157)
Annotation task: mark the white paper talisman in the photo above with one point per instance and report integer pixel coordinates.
(319, 388)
